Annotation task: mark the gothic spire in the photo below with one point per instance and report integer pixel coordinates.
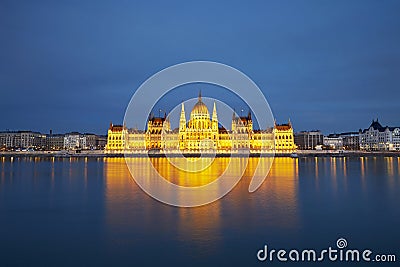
(182, 120)
(214, 115)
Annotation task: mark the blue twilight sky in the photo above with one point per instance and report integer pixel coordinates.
(73, 65)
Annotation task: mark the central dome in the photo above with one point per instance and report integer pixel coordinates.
(200, 108)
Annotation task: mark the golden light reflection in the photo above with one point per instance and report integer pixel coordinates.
(333, 167)
(116, 173)
(390, 170)
(362, 164)
(52, 173)
(282, 168)
(343, 171)
(198, 224)
(2, 169)
(190, 179)
(333, 173)
(119, 191)
(278, 192)
(398, 165)
(389, 166)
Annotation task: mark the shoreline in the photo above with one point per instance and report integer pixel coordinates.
(296, 154)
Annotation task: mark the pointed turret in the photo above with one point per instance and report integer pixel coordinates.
(233, 125)
(214, 115)
(200, 95)
(214, 122)
(182, 129)
(182, 120)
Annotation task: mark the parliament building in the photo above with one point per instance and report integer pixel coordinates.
(201, 133)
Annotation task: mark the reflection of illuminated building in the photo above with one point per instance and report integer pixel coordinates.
(126, 206)
(284, 167)
(280, 189)
(201, 133)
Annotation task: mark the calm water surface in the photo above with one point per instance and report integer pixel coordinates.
(75, 212)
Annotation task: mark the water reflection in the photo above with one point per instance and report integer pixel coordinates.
(398, 165)
(189, 179)
(338, 170)
(2, 170)
(362, 164)
(280, 191)
(51, 201)
(273, 205)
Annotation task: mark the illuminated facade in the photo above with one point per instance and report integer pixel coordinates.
(284, 139)
(200, 133)
(378, 138)
(116, 138)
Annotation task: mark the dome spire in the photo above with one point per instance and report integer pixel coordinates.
(199, 108)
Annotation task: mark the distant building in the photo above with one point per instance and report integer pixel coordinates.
(11, 140)
(333, 141)
(376, 137)
(308, 140)
(22, 140)
(54, 141)
(101, 141)
(75, 141)
(91, 141)
(351, 140)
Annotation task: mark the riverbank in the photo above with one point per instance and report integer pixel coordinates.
(101, 154)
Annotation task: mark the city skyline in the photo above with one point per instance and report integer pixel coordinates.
(315, 63)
